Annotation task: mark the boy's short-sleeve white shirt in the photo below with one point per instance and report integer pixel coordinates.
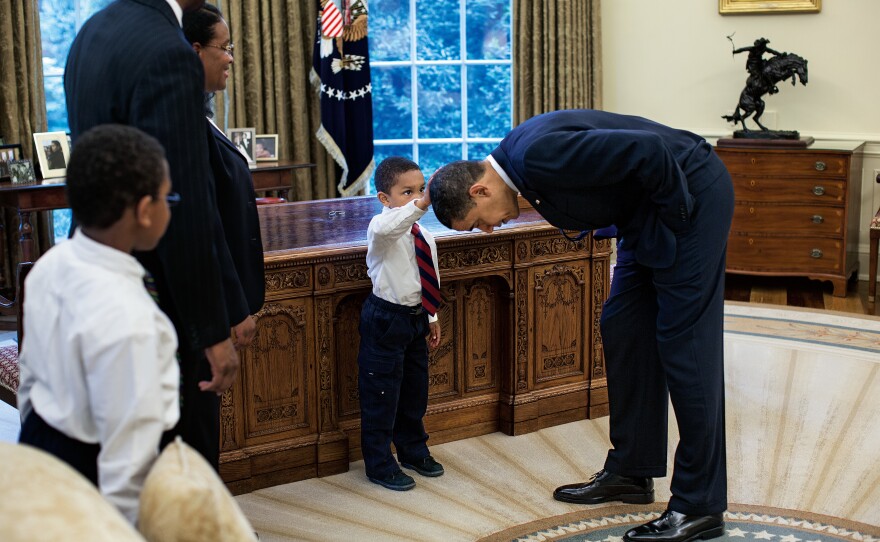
(98, 360)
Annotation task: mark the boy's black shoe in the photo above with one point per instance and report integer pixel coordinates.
(397, 481)
(425, 466)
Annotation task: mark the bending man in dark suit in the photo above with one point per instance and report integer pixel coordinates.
(130, 64)
(671, 201)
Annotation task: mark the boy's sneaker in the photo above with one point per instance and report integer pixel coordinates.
(425, 466)
(398, 481)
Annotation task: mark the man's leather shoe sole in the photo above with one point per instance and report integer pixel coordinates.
(629, 498)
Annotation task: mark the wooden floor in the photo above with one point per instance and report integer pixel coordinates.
(798, 292)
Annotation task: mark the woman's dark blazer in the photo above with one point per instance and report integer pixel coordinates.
(237, 207)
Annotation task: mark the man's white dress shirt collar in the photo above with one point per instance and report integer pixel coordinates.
(502, 173)
(178, 11)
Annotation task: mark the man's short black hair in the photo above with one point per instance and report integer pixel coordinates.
(449, 188)
(390, 169)
(111, 168)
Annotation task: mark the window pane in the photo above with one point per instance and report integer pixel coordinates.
(389, 30)
(381, 152)
(56, 108)
(489, 100)
(479, 151)
(432, 156)
(392, 102)
(439, 101)
(60, 224)
(438, 34)
(87, 8)
(488, 29)
(57, 29)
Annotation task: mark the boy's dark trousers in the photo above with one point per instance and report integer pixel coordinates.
(82, 456)
(393, 384)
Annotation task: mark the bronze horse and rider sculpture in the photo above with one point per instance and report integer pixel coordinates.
(764, 74)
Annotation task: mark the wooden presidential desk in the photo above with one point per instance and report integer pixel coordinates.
(520, 343)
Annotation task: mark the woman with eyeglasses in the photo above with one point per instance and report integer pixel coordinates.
(209, 35)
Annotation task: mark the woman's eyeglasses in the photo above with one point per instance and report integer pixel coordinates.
(228, 48)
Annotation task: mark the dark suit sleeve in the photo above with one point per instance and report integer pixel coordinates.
(236, 302)
(168, 103)
(595, 158)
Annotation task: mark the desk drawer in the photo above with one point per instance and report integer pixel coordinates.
(810, 191)
(785, 163)
(805, 220)
(795, 255)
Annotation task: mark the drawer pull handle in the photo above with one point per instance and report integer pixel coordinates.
(820, 166)
(816, 253)
(819, 190)
(817, 219)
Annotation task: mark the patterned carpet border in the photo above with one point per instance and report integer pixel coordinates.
(607, 524)
(822, 328)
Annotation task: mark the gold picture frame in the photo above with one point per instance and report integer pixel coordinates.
(736, 7)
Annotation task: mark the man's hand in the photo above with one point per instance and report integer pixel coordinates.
(244, 332)
(224, 367)
(434, 334)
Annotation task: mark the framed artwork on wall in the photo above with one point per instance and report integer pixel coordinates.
(734, 7)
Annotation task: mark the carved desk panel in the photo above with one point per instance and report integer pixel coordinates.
(520, 343)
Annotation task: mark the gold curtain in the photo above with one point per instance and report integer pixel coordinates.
(270, 88)
(22, 111)
(556, 56)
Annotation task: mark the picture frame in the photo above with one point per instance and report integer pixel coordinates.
(8, 153)
(266, 147)
(22, 172)
(243, 139)
(53, 153)
(740, 7)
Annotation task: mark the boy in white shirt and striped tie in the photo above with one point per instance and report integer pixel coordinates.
(398, 324)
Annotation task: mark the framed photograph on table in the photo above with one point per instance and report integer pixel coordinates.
(22, 172)
(243, 139)
(53, 152)
(266, 148)
(8, 153)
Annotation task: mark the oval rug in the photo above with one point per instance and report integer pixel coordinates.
(742, 523)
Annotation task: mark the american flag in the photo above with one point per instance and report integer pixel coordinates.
(331, 21)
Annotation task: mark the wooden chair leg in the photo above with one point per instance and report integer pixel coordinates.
(872, 266)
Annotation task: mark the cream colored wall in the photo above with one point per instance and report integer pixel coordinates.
(670, 61)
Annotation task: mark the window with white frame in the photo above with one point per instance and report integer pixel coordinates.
(441, 78)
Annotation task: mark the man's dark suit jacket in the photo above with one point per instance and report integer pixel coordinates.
(237, 205)
(585, 169)
(130, 64)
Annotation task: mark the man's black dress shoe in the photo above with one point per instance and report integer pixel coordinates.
(677, 527)
(605, 486)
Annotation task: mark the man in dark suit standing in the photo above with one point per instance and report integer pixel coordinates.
(130, 64)
(671, 201)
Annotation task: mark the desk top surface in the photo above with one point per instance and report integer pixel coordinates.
(307, 226)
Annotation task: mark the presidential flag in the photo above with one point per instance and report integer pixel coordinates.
(341, 75)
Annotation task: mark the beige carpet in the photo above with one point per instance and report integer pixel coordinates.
(803, 408)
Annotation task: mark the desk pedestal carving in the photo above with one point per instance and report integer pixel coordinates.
(520, 343)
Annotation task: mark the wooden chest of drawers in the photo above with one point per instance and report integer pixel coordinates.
(797, 211)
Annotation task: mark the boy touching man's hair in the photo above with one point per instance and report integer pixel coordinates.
(395, 320)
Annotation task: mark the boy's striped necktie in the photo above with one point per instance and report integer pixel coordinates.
(427, 274)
